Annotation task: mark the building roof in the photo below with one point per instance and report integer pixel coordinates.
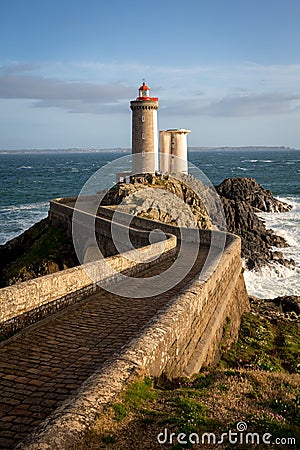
(144, 87)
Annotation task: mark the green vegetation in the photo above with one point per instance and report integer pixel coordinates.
(134, 398)
(40, 250)
(255, 382)
(51, 246)
(121, 411)
(138, 393)
(264, 345)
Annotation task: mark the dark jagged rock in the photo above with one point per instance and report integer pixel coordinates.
(290, 303)
(280, 308)
(247, 190)
(241, 199)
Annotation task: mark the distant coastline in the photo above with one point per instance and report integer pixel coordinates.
(243, 148)
(128, 150)
(66, 150)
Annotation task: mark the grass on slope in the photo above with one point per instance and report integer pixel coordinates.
(265, 345)
(254, 383)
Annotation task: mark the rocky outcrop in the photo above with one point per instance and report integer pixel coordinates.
(247, 190)
(40, 250)
(45, 249)
(280, 308)
(162, 198)
(242, 198)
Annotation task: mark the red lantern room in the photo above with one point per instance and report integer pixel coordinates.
(144, 93)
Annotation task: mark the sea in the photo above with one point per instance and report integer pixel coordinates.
(28, 180)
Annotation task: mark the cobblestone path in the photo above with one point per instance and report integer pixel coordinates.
(44, 364)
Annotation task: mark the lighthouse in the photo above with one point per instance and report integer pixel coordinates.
(144, 132)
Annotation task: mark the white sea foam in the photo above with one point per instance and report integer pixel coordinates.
(15, 219)
(24, 207)
(24, 167)
(286, 225)
(274, 280)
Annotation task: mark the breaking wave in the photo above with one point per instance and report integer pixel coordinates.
(15, 219)
(274, 279)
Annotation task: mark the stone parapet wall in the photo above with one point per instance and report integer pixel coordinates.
(101, 227)
(192, 326)
(178, 341)
(183, 337)
(25, 303)
(61, 211)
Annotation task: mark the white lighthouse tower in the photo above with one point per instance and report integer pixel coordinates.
(144, 132)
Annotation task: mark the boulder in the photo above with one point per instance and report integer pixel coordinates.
(247, 190)
(289, 303)
(163, 198)
(280, 308)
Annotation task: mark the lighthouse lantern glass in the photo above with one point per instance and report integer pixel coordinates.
(144, 91)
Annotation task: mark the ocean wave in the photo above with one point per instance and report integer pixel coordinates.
(275, 279)
(272, 280)
(24, 207)
(249, 160)
(15, 219)
(292, 200)
(286, 224)
(242, 168)
(24, 167)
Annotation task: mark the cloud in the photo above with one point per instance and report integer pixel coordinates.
(73, 96)
(255, 104)
(250, 104)
(246, 89)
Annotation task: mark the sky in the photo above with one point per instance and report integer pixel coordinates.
(228, 70)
